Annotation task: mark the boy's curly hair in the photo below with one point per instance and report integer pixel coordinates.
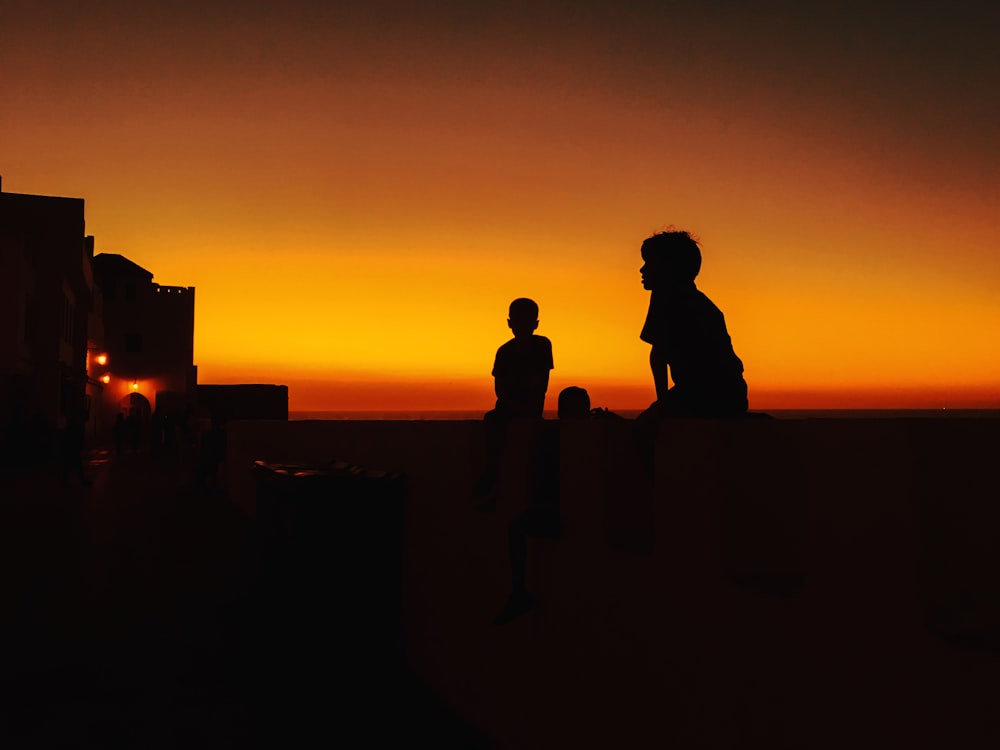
(677, 249)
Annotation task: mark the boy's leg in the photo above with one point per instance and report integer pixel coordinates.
(519, 600)
(517, 546)
(495, 425)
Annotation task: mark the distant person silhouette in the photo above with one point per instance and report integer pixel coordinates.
(689, 340)
(520, 379)
(574, 403)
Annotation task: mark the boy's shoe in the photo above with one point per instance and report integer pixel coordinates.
(516, 606)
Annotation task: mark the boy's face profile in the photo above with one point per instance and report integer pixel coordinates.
(654, 275)
(670, 260)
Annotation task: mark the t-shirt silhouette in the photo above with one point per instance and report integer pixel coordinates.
(691, 331)
(521, 372)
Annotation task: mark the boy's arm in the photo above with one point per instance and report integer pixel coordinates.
(543, 382)
(501, 387)
(658, 365)
(500, 384)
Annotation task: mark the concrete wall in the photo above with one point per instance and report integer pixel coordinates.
(817, 583)
(243, 400)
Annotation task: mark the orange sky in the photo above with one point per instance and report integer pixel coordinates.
(358, 192)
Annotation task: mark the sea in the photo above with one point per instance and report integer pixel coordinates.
(632, 413)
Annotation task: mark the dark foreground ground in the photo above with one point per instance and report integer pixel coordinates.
(132, 616)
(146, 612)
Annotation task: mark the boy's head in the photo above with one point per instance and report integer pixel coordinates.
(671, 259)
(523, 318)
(574, 403)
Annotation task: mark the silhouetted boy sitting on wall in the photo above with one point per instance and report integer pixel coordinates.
(689, 340)
(520, 379)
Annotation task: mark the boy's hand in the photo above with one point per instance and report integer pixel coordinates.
(653, 412)
(658, 364)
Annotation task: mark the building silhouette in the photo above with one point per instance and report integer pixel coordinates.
(149, 339)
(94, 335)
(47, 298)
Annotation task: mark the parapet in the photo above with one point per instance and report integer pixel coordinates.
(164, 289)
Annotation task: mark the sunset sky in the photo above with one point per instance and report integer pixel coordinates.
(357, 191)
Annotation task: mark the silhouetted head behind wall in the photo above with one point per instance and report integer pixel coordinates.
(671, 257)
(574, 403)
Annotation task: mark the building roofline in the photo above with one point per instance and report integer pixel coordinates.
(118, 265)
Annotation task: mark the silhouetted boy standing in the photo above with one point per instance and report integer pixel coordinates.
(520, 380)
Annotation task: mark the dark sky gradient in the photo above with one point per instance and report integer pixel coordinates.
(397, 172)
